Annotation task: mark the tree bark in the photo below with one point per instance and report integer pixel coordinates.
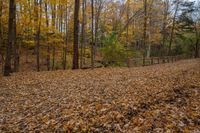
(173, 28)
(83, 32)
(150, 29)
(145, 28)
(76, 37)
(48, 47)
(127, 28)
(92, 43)
(66, 38)
(98, 6)
(15, 46)
(197, 49)
(1, 33)
(11, 38)
(37, 20)
(54, 28)
(197, 42)
(164, 32)
(53, 57)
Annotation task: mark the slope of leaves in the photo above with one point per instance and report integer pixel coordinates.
(161, 98)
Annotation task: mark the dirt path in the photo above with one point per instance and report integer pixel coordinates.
(160, 98)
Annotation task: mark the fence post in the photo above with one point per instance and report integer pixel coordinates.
(128, 62)
(163, 60)
(151, 61)
(168, 59)
(143, 61)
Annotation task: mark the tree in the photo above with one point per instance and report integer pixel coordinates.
(177, 3)
(11, 37)
(189, 24)
(66, 36)
(145, 27)
(1, 32)
(150, 20)
(53, 8)
(98, 9)
(76, 36)
(92, 32)
(83, 31)
(15, 46)
(37, 20)
(127, 28)
(197, 29)
(47, 36)
(164, 28)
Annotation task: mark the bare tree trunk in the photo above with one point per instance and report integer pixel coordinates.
(150, 29)
(61, 19)
(197, 42)
(36, 27)
(164, 36)
(15, 46)
(173, 27)
(53, 57)
(85, 23)
(145, 28)
(197, 49)
(66, 38)
(76, 33)
(37, 20)
(92, 43)
(83, 32)
(47, 39)
(29, 29)
(1, 34)
(127, 28)
(11, 38)
(61, 31)
(54, 28)
(99, 6)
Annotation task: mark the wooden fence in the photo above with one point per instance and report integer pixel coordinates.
(152, 60)
(136, 62)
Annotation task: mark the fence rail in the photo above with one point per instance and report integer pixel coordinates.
(153, 60)
(136, 62)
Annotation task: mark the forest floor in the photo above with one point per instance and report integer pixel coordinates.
(159, 98)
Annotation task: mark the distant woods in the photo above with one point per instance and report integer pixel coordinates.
(62, 34)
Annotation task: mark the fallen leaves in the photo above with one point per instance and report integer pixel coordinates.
(161, 98)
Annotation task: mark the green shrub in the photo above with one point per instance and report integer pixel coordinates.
(113, 53)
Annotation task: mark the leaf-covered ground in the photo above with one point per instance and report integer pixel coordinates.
(160, 98)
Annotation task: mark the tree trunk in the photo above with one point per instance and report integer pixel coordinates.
(145, 27)
(54, 28)
(48, 47)
(66, 39)
(37, 20)
(84, 46)
(15, 46)
(197, 49)
(53, 57)
(1, 33)
(83, 32)
(97, 19)
(164, 36)
(150, 29)
(197, 42)
(92, 43)
(11, 38)
(173, 27)
(76, 37)
(127, 28)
